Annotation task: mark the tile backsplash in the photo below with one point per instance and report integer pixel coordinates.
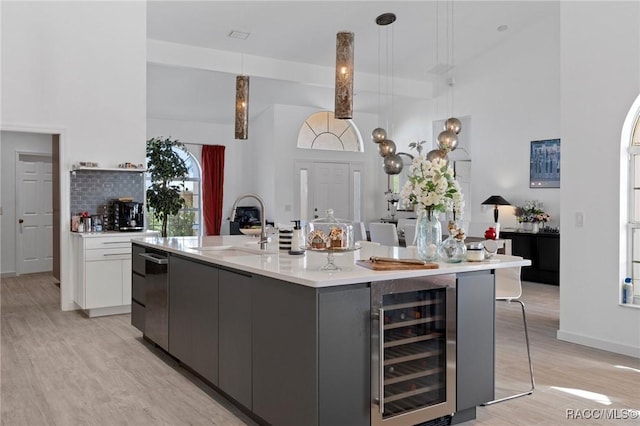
(92, 189)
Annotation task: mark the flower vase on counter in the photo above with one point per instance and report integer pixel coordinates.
(535, 227)
(428, 235)
(527, 226)
(432, 188)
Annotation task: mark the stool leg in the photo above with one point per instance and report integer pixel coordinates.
(533, 383)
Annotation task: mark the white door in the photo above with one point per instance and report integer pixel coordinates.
(34, 212)
(330, 190)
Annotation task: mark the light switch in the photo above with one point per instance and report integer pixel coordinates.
(579, 219)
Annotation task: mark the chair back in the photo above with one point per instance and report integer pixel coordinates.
(508, 284)
(384, 233)
(409, 234)
(365, 243)
(359, 231)
(403, 221)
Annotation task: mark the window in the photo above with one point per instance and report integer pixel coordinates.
(188, 221)
(634, 207)
(322, 130)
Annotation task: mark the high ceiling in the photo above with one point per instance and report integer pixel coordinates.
(427, 39)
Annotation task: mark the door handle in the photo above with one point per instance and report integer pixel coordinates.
(155, 258)
(21, 221)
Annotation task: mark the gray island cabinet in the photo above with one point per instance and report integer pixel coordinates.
(295, 354)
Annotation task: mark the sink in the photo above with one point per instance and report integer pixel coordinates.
(251, 231)
(211, 248)
(229, 251)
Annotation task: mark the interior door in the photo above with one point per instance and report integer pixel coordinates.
(34, 212)
(330, 187)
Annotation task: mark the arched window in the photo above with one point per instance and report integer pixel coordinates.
(322, 130)
(633, 244)
(188, 221)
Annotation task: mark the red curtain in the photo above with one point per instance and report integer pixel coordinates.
(212, 187)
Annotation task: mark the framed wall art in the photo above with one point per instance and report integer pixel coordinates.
(544, 164)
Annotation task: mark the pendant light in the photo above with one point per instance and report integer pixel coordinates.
(242, 107)
(344, 75)
(448, 138)
(392, 162)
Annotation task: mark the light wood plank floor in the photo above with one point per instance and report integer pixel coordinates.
(62, 368)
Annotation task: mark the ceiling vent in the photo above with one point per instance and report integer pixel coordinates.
(241, 35)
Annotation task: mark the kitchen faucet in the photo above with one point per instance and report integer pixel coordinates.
(263, 217)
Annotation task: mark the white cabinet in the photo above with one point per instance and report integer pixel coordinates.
(103, 273)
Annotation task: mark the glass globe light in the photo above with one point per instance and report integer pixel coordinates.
(392, 164)
(438, 153)
(386, 148)
(448, 140)
(453, 124)
(378, 135)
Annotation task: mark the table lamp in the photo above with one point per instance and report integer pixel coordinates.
(496, 200)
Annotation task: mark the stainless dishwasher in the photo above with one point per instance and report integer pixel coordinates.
(156, 313)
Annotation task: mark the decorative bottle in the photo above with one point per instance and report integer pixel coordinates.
(453, 249)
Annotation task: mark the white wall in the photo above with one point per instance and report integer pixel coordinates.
(80, 68)
(10, 144)
(289, 120)
(600, 80)
(512, 96)
(265, 163)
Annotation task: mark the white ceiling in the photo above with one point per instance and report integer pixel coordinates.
(428, 36)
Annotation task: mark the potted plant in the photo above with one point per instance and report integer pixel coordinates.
(166, 167)
(531, 214)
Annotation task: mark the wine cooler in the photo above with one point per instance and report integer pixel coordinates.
(413, 349)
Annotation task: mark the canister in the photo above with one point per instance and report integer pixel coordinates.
(284, 238)
(475, 252)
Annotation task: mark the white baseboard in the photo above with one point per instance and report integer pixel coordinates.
(605, 345)
(111, 310)
(7, 274)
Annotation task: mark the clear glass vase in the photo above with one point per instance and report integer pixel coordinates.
(428, 235)
(453, 250)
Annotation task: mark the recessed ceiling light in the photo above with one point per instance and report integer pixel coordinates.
(241, 35)
(502, 28)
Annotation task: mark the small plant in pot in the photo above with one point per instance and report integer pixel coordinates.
(166, 167)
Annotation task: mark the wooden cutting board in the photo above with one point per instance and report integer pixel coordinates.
(394, 266)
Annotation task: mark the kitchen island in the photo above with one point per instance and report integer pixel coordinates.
(294, 345)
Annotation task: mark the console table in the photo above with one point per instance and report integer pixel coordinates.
(543, 248)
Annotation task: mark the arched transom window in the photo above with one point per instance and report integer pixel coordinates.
(322, 130)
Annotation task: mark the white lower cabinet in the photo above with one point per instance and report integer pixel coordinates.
(103, 273)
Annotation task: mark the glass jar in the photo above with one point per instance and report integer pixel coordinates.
(453, 250)
(475, 252)
(329, 233)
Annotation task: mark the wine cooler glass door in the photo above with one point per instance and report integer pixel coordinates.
(413, 350)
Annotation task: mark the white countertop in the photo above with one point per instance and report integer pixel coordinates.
(242, 253)
(132, 235)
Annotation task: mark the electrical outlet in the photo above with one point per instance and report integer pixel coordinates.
(579, 219)
(287, 207)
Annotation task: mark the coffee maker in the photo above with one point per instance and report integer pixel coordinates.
(127, 216)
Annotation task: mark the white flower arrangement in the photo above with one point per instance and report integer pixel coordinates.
(431, 187)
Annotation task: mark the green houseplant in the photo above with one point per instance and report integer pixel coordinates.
(165, 167)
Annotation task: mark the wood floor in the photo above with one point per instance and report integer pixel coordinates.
(62, 368)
